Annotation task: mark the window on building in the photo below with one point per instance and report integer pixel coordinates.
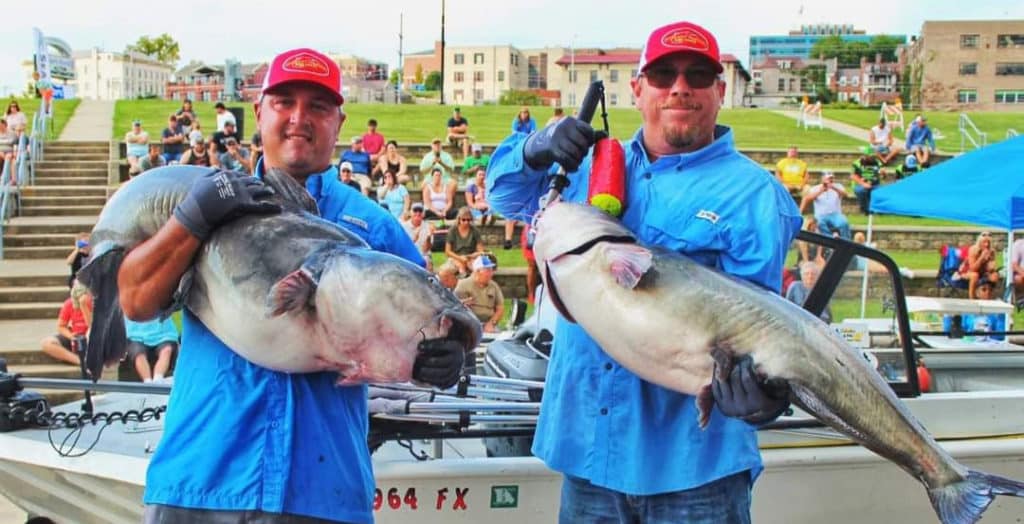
(967, 96)
(478, 76)
(501, 76)
(513, 59)
(855, 81)
(1009, 68)
(478, 94)
(1010, 41)
(969, 41)
(478, 58)
(805, 85)
(782, 84)
(613, 99)
(593, 76)
(459, 59)
(632, 74)
(613, 76)
(842, 81)
(1009, 96)
(572, 77)
(459, 76)
(572, 99)
(459, 95)
(968, 68)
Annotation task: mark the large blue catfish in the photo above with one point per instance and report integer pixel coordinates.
(673, 322)
(290, 291)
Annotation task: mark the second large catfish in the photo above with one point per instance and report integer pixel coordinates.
(669, 319)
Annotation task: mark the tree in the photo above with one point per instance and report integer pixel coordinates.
(515, 97)
(418, 78)
(850, 53)
(433, 82)
(828, 47)
(163, 48)
(395, 77)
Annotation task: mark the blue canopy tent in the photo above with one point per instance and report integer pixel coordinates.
(985, 186)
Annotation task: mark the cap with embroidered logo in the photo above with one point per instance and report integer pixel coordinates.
(680, 37)
(304, 65)
(483, 262)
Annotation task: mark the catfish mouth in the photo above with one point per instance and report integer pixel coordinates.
(461, 326)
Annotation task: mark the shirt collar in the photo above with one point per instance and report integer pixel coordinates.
(331, 170)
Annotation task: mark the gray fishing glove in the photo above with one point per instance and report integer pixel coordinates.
(566, 142)
(219, 197)
(439, 362)
(746, 397)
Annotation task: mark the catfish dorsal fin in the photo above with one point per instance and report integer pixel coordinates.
(290, 191)
(293, 293)
(628, 262)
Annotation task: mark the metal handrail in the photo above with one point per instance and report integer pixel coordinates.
(966, 126)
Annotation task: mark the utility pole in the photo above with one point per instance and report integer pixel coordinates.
(401, 66)
(442, 52)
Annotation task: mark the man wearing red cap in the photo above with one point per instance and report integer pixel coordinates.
(632, 451)
(243, 443)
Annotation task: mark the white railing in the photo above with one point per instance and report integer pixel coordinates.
(21, 172)
(1010, 133)
(970, 133)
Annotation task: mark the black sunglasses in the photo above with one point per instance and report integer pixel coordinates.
(698, 77)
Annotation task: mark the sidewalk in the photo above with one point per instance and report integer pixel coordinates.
(91, 121)
(842, 128)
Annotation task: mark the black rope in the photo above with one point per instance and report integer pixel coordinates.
(77, 422)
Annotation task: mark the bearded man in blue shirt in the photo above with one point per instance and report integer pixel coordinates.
(243, 443)
(632, 451)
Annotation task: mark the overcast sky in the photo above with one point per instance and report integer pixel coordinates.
(254, 30)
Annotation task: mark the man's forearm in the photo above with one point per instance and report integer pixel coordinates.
(150, 273)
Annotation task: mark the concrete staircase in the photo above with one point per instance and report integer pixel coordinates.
(69, 192)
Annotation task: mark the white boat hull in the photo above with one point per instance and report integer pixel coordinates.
(811, 476)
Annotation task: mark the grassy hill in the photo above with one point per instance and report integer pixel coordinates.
(62, 111)
(754, 128)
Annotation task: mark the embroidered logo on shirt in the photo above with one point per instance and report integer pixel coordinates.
(710, 216)
(356, 221)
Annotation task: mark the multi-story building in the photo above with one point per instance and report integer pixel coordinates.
(101, 75)
(781, 80)
(200, 81)
(880, 81)
(798, 44)
(968, 65)
(353, 66)
(425, 62)
(480, 74)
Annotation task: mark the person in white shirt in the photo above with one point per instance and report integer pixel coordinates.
(881, 140)
(828, 206)
(223, 115)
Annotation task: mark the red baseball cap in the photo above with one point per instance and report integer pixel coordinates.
(304, 65)
(680, 37)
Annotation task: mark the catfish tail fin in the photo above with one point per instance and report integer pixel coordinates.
(107, 338)
(965, 501)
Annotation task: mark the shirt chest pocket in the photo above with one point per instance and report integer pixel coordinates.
(696, 233)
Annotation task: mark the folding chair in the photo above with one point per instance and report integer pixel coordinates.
(948, 277)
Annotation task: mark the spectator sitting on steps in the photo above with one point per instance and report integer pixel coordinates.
(828, 206)
(798, 291)
(76, 259)
(980, 264)
(136, 146)
(345, 175)
(154, 340)
(458, 131)
(153, 159)
(792, 172)
(438, 197)
(464, 242)
(421, 232)
(920, 141)
(359, 161)
(73, 321)
(881, 140)
(482, 294)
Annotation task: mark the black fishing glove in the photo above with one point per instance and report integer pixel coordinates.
(746, 397)
(439, 362)
(566, 142)
(219, 197)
